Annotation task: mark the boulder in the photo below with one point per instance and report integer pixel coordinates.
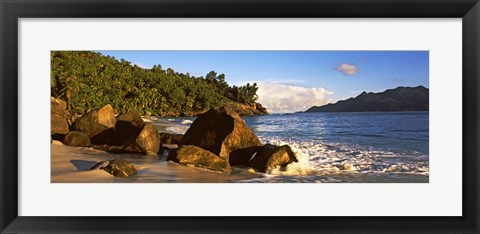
(242, 157)
(98, 125)
(59, 125)
(78, 139)
(271, 156)
(170, 138)
(131, 116)
(198, 157)
(120, 168)
(146, 142)
(220, 131)
(59, 107)
(127, 127)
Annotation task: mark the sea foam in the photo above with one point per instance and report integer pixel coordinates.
(318, 158)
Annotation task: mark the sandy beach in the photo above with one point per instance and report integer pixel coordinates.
(71, 165)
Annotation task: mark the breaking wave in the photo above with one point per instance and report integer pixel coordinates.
(319, 158)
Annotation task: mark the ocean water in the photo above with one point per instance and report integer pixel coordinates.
(346, 147)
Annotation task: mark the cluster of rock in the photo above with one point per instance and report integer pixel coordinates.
(216, 140)
(60, 118)
(220, 138)
(100, 129)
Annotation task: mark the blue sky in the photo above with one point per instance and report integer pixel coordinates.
(293, 80)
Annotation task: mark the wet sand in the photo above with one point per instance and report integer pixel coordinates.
(71, 164)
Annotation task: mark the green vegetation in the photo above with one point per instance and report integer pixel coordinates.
(89, 80)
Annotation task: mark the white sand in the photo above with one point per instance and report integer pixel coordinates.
(71, 164)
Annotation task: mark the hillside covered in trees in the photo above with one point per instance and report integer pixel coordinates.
(89, 80)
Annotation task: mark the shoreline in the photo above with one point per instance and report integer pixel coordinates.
(69, 164)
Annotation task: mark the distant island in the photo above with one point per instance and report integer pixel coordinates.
(398, 99)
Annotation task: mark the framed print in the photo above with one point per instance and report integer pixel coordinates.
(257, 116)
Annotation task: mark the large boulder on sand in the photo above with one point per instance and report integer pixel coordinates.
(127, 127)
(120, 168)
(59, 125)
(220, 131)
(98, 125)
(271, 156)
(242, 157)
(78, 139)
(146, 142)
(198, 157)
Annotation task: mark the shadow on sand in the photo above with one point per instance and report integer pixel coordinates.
(83, 165)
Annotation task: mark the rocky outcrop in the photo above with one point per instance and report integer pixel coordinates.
(198, 157)
(244, 109)
(261, 108)
(220, 131)
(221, 138)
(120, 168)
(77, 139)
(98, 125)
(59, 125)
(170, 138)
(271, 156)
(146, 142)
(127, 133)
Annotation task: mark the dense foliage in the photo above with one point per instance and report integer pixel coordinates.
(89, 80)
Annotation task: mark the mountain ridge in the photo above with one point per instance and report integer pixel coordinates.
(397, 99)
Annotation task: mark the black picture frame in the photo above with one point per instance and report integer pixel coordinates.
(11, 11)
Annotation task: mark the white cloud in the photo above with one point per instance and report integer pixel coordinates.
(141, 65)
(283, 98)
(347, 69)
